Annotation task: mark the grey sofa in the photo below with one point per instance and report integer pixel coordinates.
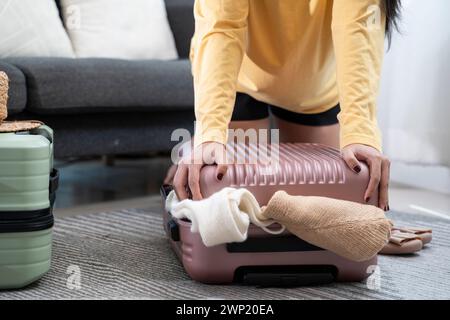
(108, 106)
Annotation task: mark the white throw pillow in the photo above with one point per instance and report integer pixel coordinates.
(32, 28)
(124, 29)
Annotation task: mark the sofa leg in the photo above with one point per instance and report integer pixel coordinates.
(109, 161)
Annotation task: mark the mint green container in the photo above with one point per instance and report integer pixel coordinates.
(26, 219)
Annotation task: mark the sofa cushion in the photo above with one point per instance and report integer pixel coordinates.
(180, 14)
(181, 18)
(30, 28)
(60, 85)
(119, 29)
(17, 88)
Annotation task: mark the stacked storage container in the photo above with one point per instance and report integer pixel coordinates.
(26, 199)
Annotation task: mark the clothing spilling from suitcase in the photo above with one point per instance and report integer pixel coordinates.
(352, 230)
(304, 223)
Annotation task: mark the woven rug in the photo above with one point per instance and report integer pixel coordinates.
(125, 255)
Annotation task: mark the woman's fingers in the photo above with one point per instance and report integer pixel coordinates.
(194, 181)
(374, 166)
(221, 170)
(350, 159)
(383, 201)
(180, 181)
(186, 182)
(379, 167)
(375, 176)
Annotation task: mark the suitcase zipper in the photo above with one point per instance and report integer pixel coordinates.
(26, 221)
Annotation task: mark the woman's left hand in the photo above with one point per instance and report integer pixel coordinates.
(379, 167)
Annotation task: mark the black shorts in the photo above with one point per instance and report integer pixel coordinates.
(247, 108)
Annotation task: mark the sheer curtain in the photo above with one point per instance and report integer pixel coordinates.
(414, 101)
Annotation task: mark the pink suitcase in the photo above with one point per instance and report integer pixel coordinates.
(265, 259)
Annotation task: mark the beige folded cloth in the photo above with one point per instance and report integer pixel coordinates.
(11, 126)
(4, 86)
(349, 229)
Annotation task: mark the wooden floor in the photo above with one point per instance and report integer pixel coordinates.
(91, 185)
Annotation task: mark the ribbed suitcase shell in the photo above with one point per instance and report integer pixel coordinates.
(303, 169)
(26, 159)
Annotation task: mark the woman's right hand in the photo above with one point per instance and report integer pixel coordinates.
(186, 182)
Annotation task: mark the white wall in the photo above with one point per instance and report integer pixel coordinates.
(414, 102)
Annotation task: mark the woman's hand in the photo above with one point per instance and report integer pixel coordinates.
(187, 177)
(379, 167)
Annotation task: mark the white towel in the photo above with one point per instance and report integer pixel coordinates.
(224, 217)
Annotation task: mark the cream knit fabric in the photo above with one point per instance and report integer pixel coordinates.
(224, 217)
(352, 230)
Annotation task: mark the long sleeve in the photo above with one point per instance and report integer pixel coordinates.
(358, 29)
(216, 55)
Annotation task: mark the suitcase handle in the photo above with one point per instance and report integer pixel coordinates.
(287, 279)
(44, 131)
(53, 186)
(285, 275)
(54, 181)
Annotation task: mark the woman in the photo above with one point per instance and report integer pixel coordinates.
(314, 64)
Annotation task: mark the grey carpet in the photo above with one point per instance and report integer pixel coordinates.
(125, 254)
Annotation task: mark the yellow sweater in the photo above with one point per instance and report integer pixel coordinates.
(302, 55)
